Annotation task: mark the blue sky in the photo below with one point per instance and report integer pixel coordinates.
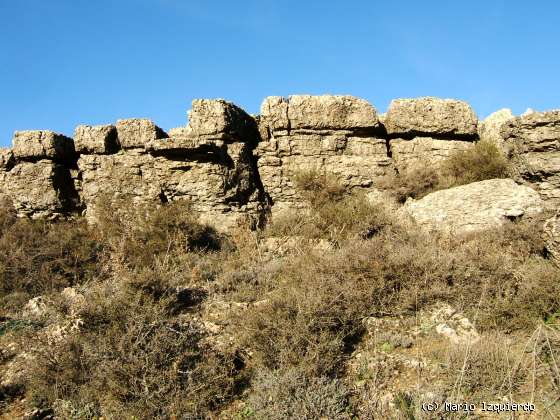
(70, 62)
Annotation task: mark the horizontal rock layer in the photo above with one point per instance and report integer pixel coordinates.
(231, 165)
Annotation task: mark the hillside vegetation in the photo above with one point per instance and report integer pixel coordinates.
(334, 312)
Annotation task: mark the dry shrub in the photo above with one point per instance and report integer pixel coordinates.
(139, 233)
(290, 394)
(132, 358)
(333, 213)
(483, 161)
(38, 257)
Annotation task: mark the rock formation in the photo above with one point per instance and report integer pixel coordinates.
(207, 162)
(533, 141)
(231, 166)
(338, 135)
(424, 131)
(475, 207)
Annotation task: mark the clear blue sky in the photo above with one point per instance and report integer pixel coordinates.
(70, 62)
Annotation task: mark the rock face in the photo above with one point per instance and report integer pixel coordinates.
(37, 175)
(231, 166)
(208, 163)
(552, 237)
(475, 207)
(431, 117)
(337, 135)
(533, 140)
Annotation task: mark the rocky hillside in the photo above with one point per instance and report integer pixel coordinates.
(318, 260)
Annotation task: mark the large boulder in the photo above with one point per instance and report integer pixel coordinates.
(430, 116)
(475, 207)
(533, 142)
(99, 139)
(135, 133)
(325, 112)
(41, 144)
(552, 237)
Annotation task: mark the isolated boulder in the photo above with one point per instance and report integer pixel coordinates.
(324, 112)
(475, 207)
(134, 133)
(552, 237)
(41, 144)
(430, 116)
(99, 139)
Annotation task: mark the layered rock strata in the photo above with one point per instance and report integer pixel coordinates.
(207, 163)
(336, 135)
(533, 142)
(36, 174)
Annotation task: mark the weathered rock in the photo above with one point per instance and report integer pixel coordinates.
(552, 237)
(356, 162)
(100, 139)
(475, 207)
(490, 129)
(326, 112)
(533, 141)
(7, 160)
(216, 116)
(534, 132)
(424, 151)
(336, 135)
(41, 144)
(213, 171)
(42, 189)
(136, 133)
(430, 116)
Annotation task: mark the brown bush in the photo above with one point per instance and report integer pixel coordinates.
(38, 257)
(131, 357)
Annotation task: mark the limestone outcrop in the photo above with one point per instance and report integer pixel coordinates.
(425, 131)
(475, 207)
(337, 135)
(207, 162)
(37, 175)
(231, 166)
(428, 116)
(533, 141)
